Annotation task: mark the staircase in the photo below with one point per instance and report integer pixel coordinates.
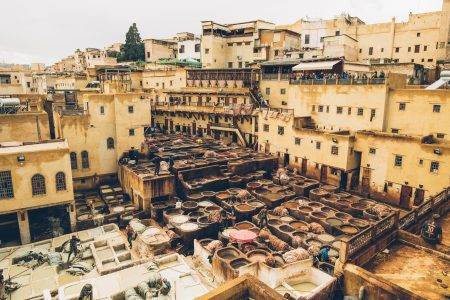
(230, 128)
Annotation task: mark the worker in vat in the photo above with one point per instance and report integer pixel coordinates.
(130, 235)
(2, 285)
(171, 164)
(157, 161)
(431, 231)
(262, 218)
(323, 255)
(86, 292)
(73, 247)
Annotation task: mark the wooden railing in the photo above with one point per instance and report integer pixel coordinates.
(413, 216)
(351, 246)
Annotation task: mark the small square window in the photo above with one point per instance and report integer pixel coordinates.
(267, 91)
(440, 135)
(334, 150)
(360, 111)
(130, 109)
(102, 110)
(318, 145)
(320, 108)
(434, 166)
(280, 130)
(339, 110)
(297, 141)
(418, 34)
(395, 130)
(436, 108)
(398, 161)
(420, 162)
(402, 106)
(266, 127)
(349, 110)
(397, 49)
(425, 48)
(372, 151)
(206, 51)
(283, 91)
(131, 132)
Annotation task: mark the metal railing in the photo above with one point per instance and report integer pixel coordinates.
(341, 81)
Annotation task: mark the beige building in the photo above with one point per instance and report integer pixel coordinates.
(99, 131)
(373, 137)
(422, 39)
(35, 184)
(13, 81)
(157, 49)
(241, 44)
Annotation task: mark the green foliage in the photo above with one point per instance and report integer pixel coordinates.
(112, 53)
(133, 49)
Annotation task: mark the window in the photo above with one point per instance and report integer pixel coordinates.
(436, 108)
(321, 39)
(206, 51)
(277, 52)
(181, 50)
(102, 110)
(398, 161)
(313, 108)
(425, 48)
(360, 111)
(240, 65)
(283, 91)
(440, 135)
(416, 48)
(280, 130)
(337, 33)
(85, 159)
(266, 127)
(409, 49)
(130, 109)
(60, 180)
(334, 150)
(38, 185)
(267, 91)
(382, 50)
(317, 145)
(73, 160)
(402, 106)
(320, 108)
(372, 151)
(395, 130)
(230, 44)
(420, 162)
(328, 108)
(148, 54)
(349, 110)
(306, 39)
(430, 60)
(370, 50)
(418, 34)
(297, 141)
(372, 114)
(360, 50)
(397, 49)
(434, 166)
(6, 185)
(131, 132)
(339, 110)
(197, 48)
(110, 143)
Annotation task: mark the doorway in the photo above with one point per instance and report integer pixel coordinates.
(286, 159)
(405, 195)
(304, 166)
(9, 230)
(419, 196)
(48, 222)
(343, 180)
(323, 173)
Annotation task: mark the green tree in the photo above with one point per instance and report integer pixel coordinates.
(133, 49)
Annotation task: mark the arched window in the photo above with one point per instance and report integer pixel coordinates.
(85, 159)
(60, 179)
(110, 143)
(73, 160)
(38, 185)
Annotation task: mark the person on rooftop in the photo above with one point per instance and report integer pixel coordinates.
(431, 231)
(73, 247)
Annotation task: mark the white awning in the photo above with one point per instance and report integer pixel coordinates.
(315, 65)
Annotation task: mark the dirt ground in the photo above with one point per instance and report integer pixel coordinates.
(445, 223)
(415, 270)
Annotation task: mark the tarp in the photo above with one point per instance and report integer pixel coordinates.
(315, 65)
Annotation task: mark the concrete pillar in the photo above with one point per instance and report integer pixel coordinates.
(24, 227)
(72, 217)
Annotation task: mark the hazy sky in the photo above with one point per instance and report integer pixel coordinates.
(48, 30)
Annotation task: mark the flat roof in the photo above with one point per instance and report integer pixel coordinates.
(24, 147)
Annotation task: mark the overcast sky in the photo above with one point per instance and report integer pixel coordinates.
(48, 30)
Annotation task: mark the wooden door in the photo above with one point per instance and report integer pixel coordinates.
(419, 196)
(365, 180)
(171, 125)
(304, 166)
(323, 173)
(194, 128)
(405, 196)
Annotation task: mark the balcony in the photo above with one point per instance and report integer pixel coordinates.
(204, 107)
(369, 81)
